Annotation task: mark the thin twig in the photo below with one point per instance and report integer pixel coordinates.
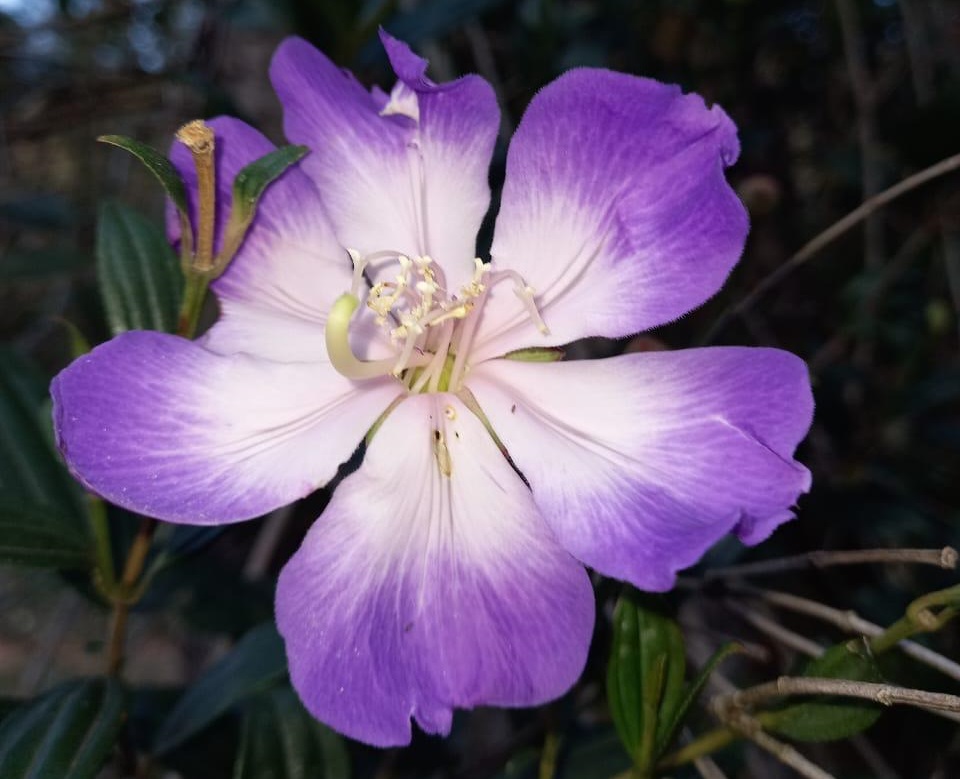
(265, 545)
(884, 694)
(708, 769)
(776, 631)
(950, 237)
(872, 757)
(828, 236)
(132, 569)
(918, 50)
(785, 753)
(945, 558)
(864, 96)
(851, 622)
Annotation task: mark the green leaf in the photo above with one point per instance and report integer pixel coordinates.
(31, 476)
(67, 733)
(139, 276)
(157, 164)
(280, 740)
(644, 676)
(832, 719)
(39, 536)
(671, 721)
(255, 663)
(249, 185)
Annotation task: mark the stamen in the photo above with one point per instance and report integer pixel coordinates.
(433, 331)
(359, 266)
(526, 295)
(414, 331)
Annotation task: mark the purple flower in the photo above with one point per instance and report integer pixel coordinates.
(438, 577)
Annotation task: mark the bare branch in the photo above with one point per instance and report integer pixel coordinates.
(776, 631)
(942, 558)
(828, 236)
(785, 753)
(851, 622)
(884, 694)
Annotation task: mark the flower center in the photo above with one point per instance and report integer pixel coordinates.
(431, 328)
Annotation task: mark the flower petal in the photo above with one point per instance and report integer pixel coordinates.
(393, 178)
(641, 462)
(615, 210)
(159, 425)
(417, 592)
(275, 294)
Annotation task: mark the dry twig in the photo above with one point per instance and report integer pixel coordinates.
(945, 558)
(828, 236)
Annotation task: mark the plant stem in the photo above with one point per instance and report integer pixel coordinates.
(827, 237)
(785, 753)
(945, 558)
(549, 755)
(194, 293)
(132, 569)
(880, 640)
(124, 594)
(706, 744)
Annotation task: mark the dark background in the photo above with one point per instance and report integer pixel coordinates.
(835, 102)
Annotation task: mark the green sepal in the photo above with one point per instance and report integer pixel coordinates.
(68, 732)
(248, 186)
(827, 719)
(536, 354)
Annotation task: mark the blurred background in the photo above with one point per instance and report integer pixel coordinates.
(835, 100)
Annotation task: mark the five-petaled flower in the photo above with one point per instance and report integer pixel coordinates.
(443, 574)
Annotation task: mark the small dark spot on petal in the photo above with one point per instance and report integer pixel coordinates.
(513, 409)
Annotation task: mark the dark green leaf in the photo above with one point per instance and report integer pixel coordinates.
(30, 472)
(280, 740)
(671, 720)
(256, 662)
(67, 733)
(157, 164)
(139, 276)
(644, 675)
(249, 185)
(831, 719)
(40, 536)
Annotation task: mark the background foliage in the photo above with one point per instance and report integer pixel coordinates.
(835, 101)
